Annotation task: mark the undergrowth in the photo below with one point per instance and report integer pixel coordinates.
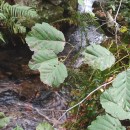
(100, 87)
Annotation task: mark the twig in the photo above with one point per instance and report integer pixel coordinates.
(116, 34)
(32, 107)
(121, 59)
(52, 121)
(102, 8)
(37, 110)
(68, 54)
(118, 10)
(116, 24)
(84, 99)
(100, 26)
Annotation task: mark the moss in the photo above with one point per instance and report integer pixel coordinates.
(73, 4)
(51, 13)
(52, 10)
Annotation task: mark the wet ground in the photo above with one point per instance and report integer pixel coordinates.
(23, 97)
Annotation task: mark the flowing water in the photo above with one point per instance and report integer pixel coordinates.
(86, 7)
(84, 36)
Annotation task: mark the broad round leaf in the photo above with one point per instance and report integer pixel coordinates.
(3, 120)
(106, 122)
(46, 42)
(44, 126)
(41, 57)
(116, 100)
(98, 57)
(43, 36)
(18, 128)
(52, 71)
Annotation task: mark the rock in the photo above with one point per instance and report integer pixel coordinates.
(50, 10)
(51, 13)
(77, 39)
(94, 36)
(32, 3)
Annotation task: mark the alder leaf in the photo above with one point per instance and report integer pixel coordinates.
(18, 128)
(116, 100)
(106, 122)
(46, 42)
(44, 36)
(44, 126)
(3, 120)
(52, 71)
(98, 57)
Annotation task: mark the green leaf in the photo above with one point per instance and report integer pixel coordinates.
(18, 10)
(116, 100)
(1, 37)
(43, 36)
(2, 115)
(46, 42)
(2, 16)
(18, 128)
(40, 58)
(3, 120)
(98, 57)
(44, 126)
(106, 122)
(18, 28)
(52, 71)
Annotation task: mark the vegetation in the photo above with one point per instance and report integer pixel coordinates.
(46, 45)
(113, 99)
(4, 121)
(102, 63)
(13, 19)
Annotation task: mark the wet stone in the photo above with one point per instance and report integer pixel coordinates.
(8, 97)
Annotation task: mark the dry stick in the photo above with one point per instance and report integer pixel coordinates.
(39, 112)
(32, 107)
(84, 99)
(118, 10)
(102, 8)
(69, 52)
(116, 24)
(101, 26)
(48, 119)
(116, 34)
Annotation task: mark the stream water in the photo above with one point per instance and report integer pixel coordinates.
(87, 35)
